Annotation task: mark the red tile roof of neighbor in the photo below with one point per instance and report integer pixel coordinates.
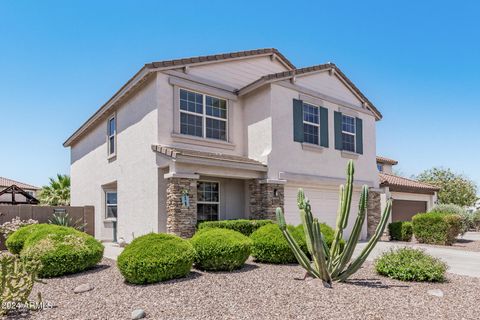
(4, 182)
(386, 160)
(396, 183)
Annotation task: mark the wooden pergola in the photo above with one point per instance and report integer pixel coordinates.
(14, 190)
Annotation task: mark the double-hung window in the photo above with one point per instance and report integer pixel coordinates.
(203, 115)
(111, 204)
(208, 200)
(111, 135)
(311, 124)
(348, 133)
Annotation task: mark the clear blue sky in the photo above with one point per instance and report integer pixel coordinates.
(417, 61)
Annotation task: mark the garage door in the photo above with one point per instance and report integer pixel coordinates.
(404, 210)
(324, 202)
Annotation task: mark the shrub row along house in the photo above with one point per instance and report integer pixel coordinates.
(223, 137)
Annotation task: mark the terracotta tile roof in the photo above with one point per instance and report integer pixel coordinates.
(396, 183)
(175, 152)
(216, 57)
(4, 182)
(319, 67)
(386, 160)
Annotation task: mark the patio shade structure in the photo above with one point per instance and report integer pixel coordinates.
(14, 190)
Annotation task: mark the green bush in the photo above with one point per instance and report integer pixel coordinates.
(218, 249)
(467, 219)
(436, 228)
(270, 245)
(327, 232)
(245, 227)
(476, 221)
(409, 264)
(61, 250)
(156, 257)
(16, 240)
(400, 230)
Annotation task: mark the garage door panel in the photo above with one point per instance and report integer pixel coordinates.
(324, 202)
(404, 210)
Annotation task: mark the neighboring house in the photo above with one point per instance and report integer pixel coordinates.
(474, 208)
(13, 192)
(409, 196)
(222, 137)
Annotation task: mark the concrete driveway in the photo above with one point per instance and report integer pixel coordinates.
(460, 262)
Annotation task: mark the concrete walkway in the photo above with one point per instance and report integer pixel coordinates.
(112, 250)
(460, 262)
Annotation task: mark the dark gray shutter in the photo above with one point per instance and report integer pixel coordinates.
(297, 120)
(337, 119)
(324, 127)
(359, 137)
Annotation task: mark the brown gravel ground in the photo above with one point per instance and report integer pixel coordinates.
(258, 291)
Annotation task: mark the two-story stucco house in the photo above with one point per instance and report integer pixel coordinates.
(222, 137)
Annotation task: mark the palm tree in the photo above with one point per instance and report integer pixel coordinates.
(57, 193)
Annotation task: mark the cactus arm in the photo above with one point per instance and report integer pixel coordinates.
(347, 253)
(319, 256)
(305, 217)
(297, 251)
(337, 235)
(355, 265)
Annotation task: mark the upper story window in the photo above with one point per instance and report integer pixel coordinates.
(111, 135)
(202, 115)
(311, 124)
(348, 133)
(380, 167)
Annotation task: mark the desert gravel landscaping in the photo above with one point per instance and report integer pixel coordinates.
(258, 291)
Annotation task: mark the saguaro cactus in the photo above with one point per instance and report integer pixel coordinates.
(334, 263)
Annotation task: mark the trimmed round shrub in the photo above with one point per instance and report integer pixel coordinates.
(156, 257)
(327, 232)
(436, 228)
(61, 250)
(270, 245)
(16, 240)
(245, 227)
(409, 264)
(218, 249)
(400, 231)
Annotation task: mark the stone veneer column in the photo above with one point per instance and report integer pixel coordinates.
(373, 211)
(265, 197)
(181, 221)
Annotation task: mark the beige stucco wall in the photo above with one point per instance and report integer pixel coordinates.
(134, 170)
(288, 155)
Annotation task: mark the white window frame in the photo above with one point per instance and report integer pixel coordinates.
(204, 115)
(210, 202)
(354, 134)
(110, 205)
(312, 123)
(114, 135)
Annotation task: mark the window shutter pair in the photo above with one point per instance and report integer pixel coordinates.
(337, 119)
(298, 123)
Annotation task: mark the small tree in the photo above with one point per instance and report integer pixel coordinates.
(57, 193)
(454, 188)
